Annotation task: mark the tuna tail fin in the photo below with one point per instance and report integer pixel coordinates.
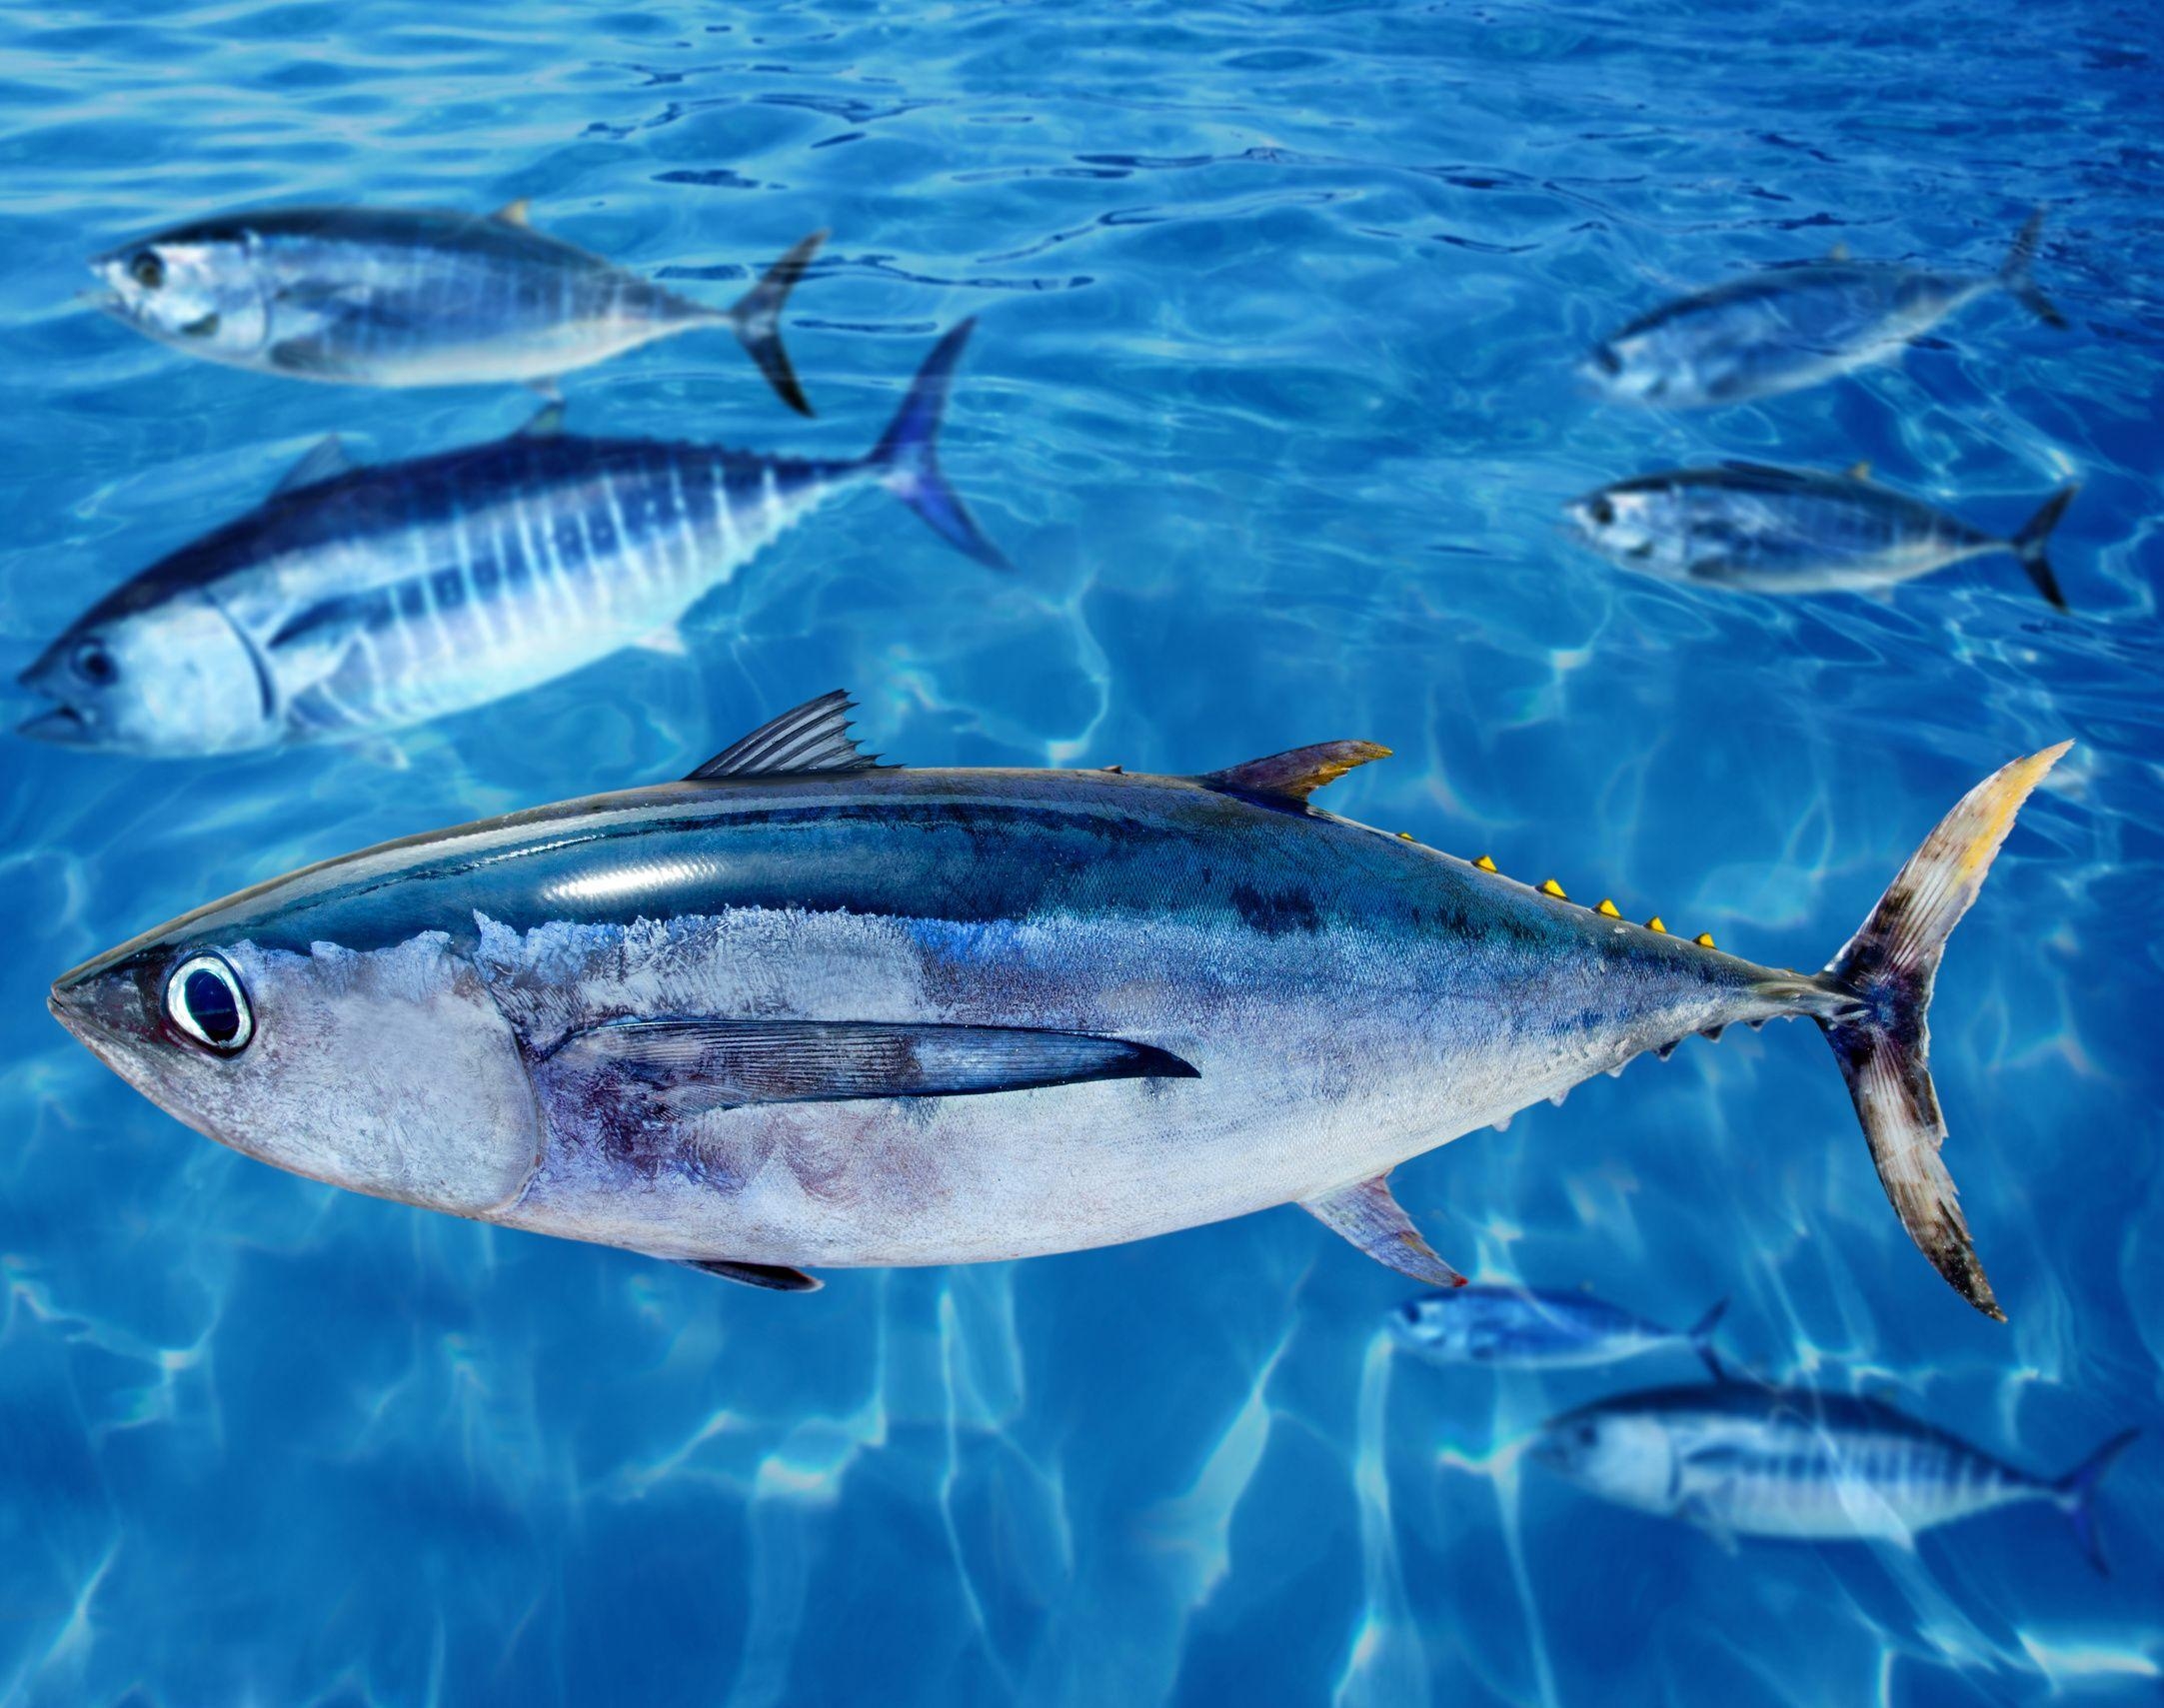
(757, 318)
(1700, 1337)
(2015, 274)
(906, 462)
(2028, 544)
(2076, 1494)
(1883, 1044)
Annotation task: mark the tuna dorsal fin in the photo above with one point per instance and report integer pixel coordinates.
(519, 213)
(814, 736)
(1290, 778)
(1372, 1220)
(326, 462)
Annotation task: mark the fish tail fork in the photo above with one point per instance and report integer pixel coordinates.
(1881, 1037)
(2014, 274)
(2076, 1495)
(906, 462)
(2029, 544)
(757, 318)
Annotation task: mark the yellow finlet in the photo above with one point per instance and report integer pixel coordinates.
(1609, 910)
(516, 212)
(1654, 925)
(1705, 940)
(1858, 471)
(1404, 835)
(1485, 863)
(1551, 887)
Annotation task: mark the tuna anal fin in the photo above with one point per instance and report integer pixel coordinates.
(1288, 778)
(669, 1068)
(1369, 1216)
(772, 1276)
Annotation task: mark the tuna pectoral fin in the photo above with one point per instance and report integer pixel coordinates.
(689, 1067)
(1881, 1040)
(758, 320)
(1369, 1216)
(772, 1276)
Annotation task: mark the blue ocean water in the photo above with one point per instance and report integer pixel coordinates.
(1271, 404)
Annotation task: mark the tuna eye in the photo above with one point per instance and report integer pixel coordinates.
(205, 998)
(94, 664)
(147, 270)
(1601, 511)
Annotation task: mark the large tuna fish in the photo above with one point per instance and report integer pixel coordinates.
(406, 297)
(1741, 1460)
(1795, 531)
(1791, 327)
(800, 1009)
(362, 600)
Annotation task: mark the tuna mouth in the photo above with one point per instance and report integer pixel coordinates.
(199, 328)
(62, 726)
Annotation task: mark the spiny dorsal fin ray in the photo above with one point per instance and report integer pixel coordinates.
(814, 736)
(1292, 777)
(1369, 1216)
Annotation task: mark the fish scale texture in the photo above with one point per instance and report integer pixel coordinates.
(1271, 405)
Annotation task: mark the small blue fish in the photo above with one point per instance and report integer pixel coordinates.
(1791, 327)
(1520, 1328)
(1740, 1460)
(415, 297)
(362, 600)
(1794, 531)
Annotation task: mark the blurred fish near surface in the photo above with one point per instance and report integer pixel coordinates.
(1526, 1329)
(1759, 529)
(415, 297)
(1786, 328)
(1737, 1459)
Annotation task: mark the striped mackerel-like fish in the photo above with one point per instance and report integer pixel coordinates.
(802, 1010)
(415, 297)
(1737, 1459)
(359, 600)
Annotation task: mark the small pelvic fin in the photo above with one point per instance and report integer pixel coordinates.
(519, 213)
(1485, 863)
(773, 1277)
(812, 736)
(1369, 1216)
(325, 462)
(1286, 780)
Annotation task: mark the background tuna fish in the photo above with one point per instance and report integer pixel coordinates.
(1741, 1460)
(801, 1009)
(362, 600)
(399, 297)
(1788, 530)
(1791, 327)
(1526, 1328)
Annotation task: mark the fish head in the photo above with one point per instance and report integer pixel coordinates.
(390, 1072)
(153, 676)
(1633, 367)
(1624, 1455)
(200, 289)
(1432, 1326)
(1628, 522)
